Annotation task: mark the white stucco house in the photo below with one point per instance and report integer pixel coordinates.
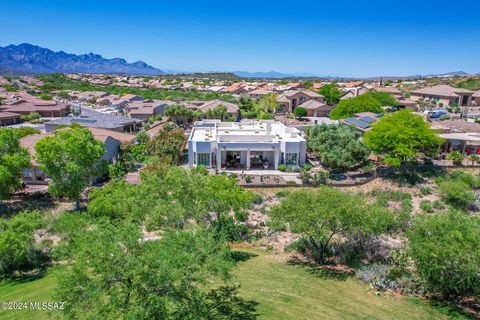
(248, 144)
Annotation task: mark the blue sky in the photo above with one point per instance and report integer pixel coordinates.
(340, 38)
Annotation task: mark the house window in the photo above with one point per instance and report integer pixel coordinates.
(203, 159)
(291, 159)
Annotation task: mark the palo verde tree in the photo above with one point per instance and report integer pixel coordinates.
(114, 274)
(338, 146)
(13, 159)
(401, 136)
(71, 158)
(321, 214)
(446, 251)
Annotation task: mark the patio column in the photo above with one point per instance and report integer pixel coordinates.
(219, 158)
(248, 159)
(275, 159)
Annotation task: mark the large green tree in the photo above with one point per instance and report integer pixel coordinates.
(13, 159)
(167, 143)
(331, 93)
(114, 274)
(17, 249)
(319, 215)
(401, 136)
(338, 146)
(385, 98)
(446, 251)
(171, 198)
(71, 158)
(349, 107)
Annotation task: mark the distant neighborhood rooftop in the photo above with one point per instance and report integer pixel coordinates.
(442, 90)
(94, 119)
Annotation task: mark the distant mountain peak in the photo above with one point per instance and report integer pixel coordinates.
(27, 58)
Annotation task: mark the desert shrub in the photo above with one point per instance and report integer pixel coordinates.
(426, 206)
(282, 193)
(291, 182)
(446, 251)
(248, 179)
(456, 193)
(472, 181)
(456, 157)
(18, 251)
(384, 277)
(307, 167)
(320, 178)
(257, 199)
(424, 190)
(437, 204)
(282, 167)
(404, 214)
(241, 216)
(231, 231)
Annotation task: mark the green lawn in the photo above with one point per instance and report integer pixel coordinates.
(38, 290)
(291, 292)
(282, 291)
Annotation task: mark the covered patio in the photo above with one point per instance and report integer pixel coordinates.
(257, 158)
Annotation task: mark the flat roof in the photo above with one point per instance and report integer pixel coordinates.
(245, 131)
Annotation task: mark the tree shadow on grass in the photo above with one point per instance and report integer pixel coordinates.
(413, 175)
(241, 256)
(19, 203)
(405, 177)
(27, 276)
(224, 303)
(321, 271)
(464, 307)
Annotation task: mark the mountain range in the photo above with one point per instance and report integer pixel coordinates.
(279, 75)
(30, 59)
(271, 75)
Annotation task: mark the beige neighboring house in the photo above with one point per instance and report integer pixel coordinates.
(232, 109)
(476, 98)
(392, 90)
(403, 102)
(9, 118)
(110, 139)
(46, 108)
(316, 108)
(445, 94)
(145, 109)
(291, 99)
(459, 135)
(258, 93)
(235, 89)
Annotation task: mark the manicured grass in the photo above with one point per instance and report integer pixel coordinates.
(286, 291)
(33, 290)
(282, 291)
